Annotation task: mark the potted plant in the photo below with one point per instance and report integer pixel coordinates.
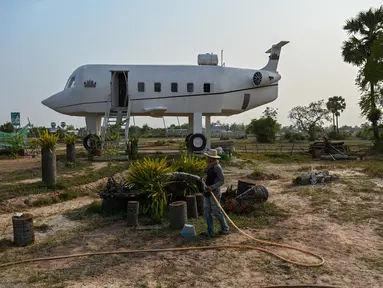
(47, 143)
(133, 146)
(70, 141)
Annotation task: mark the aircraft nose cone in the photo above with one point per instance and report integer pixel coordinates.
(56, 100)
(45, 102)
(49, 102)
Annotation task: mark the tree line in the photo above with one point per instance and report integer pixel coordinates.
(364, 49)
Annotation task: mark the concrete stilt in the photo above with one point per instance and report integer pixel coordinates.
(197, 122)
(190, 125)
(208, 131)
(93, 124)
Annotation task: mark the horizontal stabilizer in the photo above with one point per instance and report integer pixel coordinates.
(274, 52)
(279, 45)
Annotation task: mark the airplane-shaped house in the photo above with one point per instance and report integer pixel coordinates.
(116, 92)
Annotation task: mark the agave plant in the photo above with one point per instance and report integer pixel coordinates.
(70, 139)
(190, 163)
(47, 141)
(150, 175)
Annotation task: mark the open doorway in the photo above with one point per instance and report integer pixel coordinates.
(120, 88)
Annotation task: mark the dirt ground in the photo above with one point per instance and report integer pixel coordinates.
(341, 221)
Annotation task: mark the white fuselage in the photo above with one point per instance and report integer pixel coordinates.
(194, 91)
(232, 90)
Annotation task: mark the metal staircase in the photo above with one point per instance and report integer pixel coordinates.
(116, 118)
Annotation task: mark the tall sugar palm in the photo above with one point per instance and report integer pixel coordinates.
(336, 105)
(364, 30)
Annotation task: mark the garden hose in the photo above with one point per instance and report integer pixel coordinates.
(190, 248)
(302, 286)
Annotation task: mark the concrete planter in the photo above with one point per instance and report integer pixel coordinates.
(71, 153)
(23, 232)
(48, 166)
(114, 205)
(177, 214)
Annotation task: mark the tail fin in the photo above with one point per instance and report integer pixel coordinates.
(274, 51)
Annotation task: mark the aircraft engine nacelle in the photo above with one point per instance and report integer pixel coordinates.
(262, 78)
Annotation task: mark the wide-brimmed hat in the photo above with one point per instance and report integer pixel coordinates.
(212, 153)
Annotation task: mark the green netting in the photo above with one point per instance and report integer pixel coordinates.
(7, 139)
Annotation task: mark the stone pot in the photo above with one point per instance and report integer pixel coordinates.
(71, 153)
(48, 166)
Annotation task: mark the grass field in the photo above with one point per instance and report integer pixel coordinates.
(341, 221)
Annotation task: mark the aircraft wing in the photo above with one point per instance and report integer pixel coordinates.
(155, 109)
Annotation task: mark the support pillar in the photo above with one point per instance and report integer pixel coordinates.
(93, 124)
(190, 125)
(208, 131)
(197, 122)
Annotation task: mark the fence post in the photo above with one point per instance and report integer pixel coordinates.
(292, 149)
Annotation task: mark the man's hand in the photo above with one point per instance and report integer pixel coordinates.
(209, 189)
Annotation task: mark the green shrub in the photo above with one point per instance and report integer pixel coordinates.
(333, 135)
(16, 141)
(190, 163)
(292, 136)
(47, 141)
(224, 157)
(70, 139)
(148, 175)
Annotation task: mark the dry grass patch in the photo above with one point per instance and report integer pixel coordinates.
(358, 212)
(259, 174)
(359, 186)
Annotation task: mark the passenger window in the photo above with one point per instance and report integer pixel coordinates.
(157, 87)
(141, 87)
(206, 87)
(174, 87)
(190, 87)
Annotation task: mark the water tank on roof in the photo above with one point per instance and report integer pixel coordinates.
(208, 59)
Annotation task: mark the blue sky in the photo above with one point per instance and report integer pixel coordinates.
(43, 41)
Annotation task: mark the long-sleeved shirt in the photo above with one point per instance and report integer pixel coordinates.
(219, 179)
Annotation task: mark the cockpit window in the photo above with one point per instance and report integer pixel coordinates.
(70, 82)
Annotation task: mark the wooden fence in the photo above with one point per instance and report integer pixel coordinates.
(281, 147)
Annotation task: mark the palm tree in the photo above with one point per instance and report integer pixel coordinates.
(336, 105)
(364, 30)
(331, 107)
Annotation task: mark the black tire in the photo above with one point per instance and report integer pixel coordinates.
(191, 142)
(87, 141)
(187, 139)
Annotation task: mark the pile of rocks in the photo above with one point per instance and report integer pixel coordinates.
(314, 177)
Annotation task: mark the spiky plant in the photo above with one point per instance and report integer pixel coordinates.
(190, 163)
(149, 175)
(47, 141)
(70, 139)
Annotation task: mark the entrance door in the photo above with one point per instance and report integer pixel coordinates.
(120, 89)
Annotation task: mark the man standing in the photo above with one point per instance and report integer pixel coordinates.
(214, 180)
